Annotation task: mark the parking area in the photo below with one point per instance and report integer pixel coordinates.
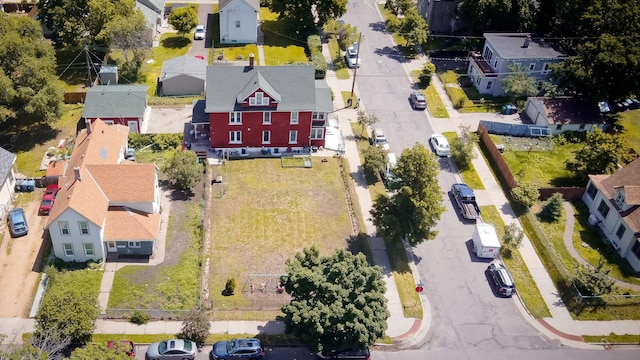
(167, 120)
(270, 353)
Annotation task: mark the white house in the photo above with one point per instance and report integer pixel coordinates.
(107, 206)
(239, 21)
(614, 206)
(503, 49)
(7, 180)
(564, 114)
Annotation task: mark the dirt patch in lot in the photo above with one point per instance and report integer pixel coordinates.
(21, 259)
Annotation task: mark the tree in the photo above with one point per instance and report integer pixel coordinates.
(511, 240)
(375, 159)
(399, 7)
(305, 15)
(414, 28)
(93, 351)
(183, 19)
(413, 210)
(462, 147)
(600, 153)
(29, 88)
(498, 15)
(552, 210)
(428, 70)
(66, 19)
(526, 194)
(518, 84)
(67, 311)
(195, 327)
(337, 301)
(184, 169)
(593, 281)
(366, 119)
(347, 36)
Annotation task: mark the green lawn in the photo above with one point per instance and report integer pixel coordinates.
(630, 121)
(279, 47)
(525, 285)
(267, 215)
(543, 168)
(339, 65)
(468, 99)
(469, 175)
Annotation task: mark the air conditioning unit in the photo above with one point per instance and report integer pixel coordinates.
(593, 220)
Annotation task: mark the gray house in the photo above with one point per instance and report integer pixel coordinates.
(7, 180)
(441, 15)
(501, 50)
(153, 11)
(184, 75)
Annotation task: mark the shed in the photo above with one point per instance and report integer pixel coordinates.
(184, 75)
(564, 114)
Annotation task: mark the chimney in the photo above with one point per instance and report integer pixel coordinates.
(527, 40)
(87, 123)
(76, 171)
(251, 61)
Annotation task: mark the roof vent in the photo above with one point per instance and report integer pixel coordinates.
(76, 171)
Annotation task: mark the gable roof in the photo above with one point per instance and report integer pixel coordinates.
(123, 223)
(258, 82)
(323, 96)
(294, 83)
(140, 183)
(627, 177)
(115, 101)
(184, 65)
(7, 159)
(255, 4)
(510, 46)
(568, 110)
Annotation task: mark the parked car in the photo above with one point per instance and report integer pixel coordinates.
(363, 354)
(466, 200)
(351, 56)
(171, 349)
(200, 33)
(123, 346)
(379, 139)
(52, 189)
(417, 100)
(250, 349)
(17, 223)
(501, 279)
(440, 144)
(46, 204)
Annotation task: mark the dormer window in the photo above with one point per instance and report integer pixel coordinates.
(620, 199)
(258, 99)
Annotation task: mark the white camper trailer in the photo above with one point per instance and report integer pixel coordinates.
(485, 241)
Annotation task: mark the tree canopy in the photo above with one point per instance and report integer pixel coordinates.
(29, 88)
(518, 84)
(413, 210)
(600, 153)
(305, 15)
(184, 170)
(497, 15)
(94, 351)
(337, 301)
(183, 19)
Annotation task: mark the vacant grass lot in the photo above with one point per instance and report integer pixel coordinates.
(630, 121)
(267, 215)
(469, 175)
(543, 168)
(525, 285)
(279, 47)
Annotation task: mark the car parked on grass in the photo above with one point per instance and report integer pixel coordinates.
(17, 222)
(123, 346)
(417, 100)
(502, 280)
(363, 354)
(249, 349)
(171, 349)
(378, 138)
(200, 33)
(440, 144)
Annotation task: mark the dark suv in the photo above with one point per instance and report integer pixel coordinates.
(345, 354)
(237, 349)
(501, 279)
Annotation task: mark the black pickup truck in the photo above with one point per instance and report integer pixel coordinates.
(466, 201)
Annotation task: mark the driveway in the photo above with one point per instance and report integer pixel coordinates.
(168, 120)
(201, 47)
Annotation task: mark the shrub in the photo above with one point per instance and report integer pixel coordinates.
(139, 317)
(162, 142)
(320, 64)
(526, 194)
(314, 44)
(195, 327)
(552, 210)
(230, 286)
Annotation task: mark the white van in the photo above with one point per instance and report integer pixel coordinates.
(392, 162)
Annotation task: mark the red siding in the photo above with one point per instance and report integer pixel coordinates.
(252, 128)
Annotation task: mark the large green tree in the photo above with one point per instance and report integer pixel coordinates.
(29, 88)
(414, 28)
(518, 84)
(305, 15)
(415, 207)
(183, 19)
(600, 153)
(337, 301)
(497, 15)
(184, 170)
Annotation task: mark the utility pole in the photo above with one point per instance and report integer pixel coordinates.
(86, 54)
(355, 69)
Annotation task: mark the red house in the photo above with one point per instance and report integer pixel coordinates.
(266, 109)
(117, 104)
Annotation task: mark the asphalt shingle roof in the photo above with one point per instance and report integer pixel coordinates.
(184, 65)
(115, 101)
(7, 159)
(510, 46)
(628, 178)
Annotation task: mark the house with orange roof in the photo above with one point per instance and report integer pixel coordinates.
(614, 206)
(96, 214)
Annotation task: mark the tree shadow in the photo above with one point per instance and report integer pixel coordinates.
(25, 134)
(393, 53)
(379, 26)
(176, 42)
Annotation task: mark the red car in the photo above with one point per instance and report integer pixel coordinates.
(48, 198)
(52, 189)
(125, 346)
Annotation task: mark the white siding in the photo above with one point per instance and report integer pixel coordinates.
(240, 12)
(75, 238)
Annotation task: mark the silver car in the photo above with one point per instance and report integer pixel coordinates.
(17, 222)
(172, 349)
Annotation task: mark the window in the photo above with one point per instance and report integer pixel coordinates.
(64, 228)
(134, 244)
(84, 227)
(558, 127)
(235, 118)
(68, 249)
(235, 137)
(258, 99)
(318, 115)
(266, 117)
(636, 249)
(266, 137)
(539, 86)
(603, 209)
(293, 137)
(108, 122)
(488, 54)
(489, 84)
(582, 127)
(317, 133)
(88, 249)
(620, 199)
(532, 67)
(621, 231)
(237, 23)
(495, 64)
(546, 68)
(592, 191)
(294, 117)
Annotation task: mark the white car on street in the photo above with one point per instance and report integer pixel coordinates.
(440, 144)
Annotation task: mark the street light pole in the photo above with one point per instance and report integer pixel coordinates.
(355, 69)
